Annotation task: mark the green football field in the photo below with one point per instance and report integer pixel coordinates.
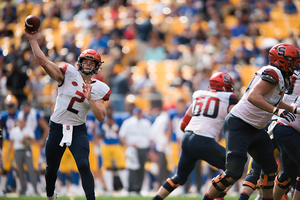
(110, 198)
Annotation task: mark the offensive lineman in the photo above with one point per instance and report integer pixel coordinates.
(250, 182)
(244, 125)
(202, 124)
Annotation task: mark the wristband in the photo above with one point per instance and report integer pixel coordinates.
(275, 111)
(296, 110)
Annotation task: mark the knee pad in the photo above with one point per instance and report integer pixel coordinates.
(251, 180)
(222, 178)
(178, 180)
(170, 185)
(283, 181)
(235, 164)
(267, 181)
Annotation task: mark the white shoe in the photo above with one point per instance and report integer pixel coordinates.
(53, 197)
(259, 197)
(124, 193)
(63, 191)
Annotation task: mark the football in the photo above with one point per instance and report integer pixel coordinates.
(32, 23)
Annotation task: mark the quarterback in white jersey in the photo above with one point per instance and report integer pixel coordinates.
(202, 124)
(71, 106)
(244, 125)
(77, 94)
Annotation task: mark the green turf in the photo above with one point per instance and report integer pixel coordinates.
(110, 198)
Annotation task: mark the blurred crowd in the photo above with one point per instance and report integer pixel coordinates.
(155, 53)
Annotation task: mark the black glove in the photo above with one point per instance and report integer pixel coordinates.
(289, 116)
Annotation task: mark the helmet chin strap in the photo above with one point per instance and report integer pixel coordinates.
(87, 72)
(90, 72)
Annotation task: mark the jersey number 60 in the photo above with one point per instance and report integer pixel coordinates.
(211, 108)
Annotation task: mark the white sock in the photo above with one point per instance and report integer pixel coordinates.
(3, 182)
(98, 185)
(108, 178)
(123, 174)
(30, 189)
(43, 182)
(18, 184)
(146, 182)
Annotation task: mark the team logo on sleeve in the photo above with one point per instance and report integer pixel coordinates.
(74, 83)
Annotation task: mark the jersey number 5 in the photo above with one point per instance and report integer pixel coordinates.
(211, 108)
(81, 99)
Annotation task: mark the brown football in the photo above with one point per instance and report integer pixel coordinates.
(32, 23)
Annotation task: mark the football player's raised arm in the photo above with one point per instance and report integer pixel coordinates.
(187, 117)
(51, 68)
(256, 95)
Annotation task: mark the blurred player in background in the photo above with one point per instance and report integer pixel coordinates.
(7, 122)
(37, 123)
(244, 125)
(92, 125)
(113, 154)
(175, 133)
(203, 124)
(22, 138)
(77, 94)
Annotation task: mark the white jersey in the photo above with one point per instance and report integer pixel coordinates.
(294, 89)
(209, 111)
(253, 115)
(295, 124)
(71, 106)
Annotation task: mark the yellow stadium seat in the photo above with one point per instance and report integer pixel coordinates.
(247, 72)
(230, 21)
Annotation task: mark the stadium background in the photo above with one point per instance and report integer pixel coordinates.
(163, 50)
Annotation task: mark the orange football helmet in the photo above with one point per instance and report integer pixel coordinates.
(93, 55)
(285, 57)
(221, 81)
